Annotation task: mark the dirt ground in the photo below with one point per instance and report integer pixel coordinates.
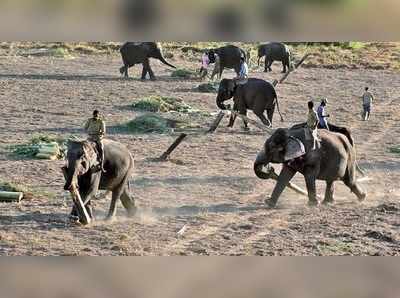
(208, 186)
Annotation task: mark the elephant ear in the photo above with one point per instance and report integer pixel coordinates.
(294, 148)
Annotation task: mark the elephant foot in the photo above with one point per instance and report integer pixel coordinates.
(153, 79)
(132, 212)
(327, 201)
(362, 197)
(313, 203)
(245, 129)
(270, 203)
(110, 218)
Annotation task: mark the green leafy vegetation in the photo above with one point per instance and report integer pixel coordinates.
(150, 123)
(32, 148)
(210, 87)
(184, 73)
(157, 103)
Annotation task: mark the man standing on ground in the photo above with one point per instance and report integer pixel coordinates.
(96, 129)
(323, 122)
(367, 99)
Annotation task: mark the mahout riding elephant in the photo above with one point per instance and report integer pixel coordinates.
(82, 170)
(256, 95)
(140, 53)
(275, 51)
(229, 57)
(333, 160)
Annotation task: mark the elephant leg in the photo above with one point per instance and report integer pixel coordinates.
(221, 70)
(116, 194)
(266, 62)
(151, 73)
(144, 72)
(243, 111)
(270, 113)
(128, 202)
(284, 66)
(264, 120)
(270, 64)
(215, 71)
(233, 116)
(356, 189)
(311, 189)
(329, 192)
(283, 180)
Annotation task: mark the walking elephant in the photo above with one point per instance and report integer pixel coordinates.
(256, 95)
(81, 170)
(140, 53)
(275, 51)
(333, 160)
(229, 57)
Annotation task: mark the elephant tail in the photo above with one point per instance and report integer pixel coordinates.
(277, 106)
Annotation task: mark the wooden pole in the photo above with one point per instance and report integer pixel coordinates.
(291, 185)
(171, 148)
(216, 122)
(284, 77)
(10, 196)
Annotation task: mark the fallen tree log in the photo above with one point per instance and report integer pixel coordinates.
(292, 186)
(216, 122)
(10, 196)
(284, 77)
(171, 148)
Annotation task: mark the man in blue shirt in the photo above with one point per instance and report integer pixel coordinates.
(323, 122)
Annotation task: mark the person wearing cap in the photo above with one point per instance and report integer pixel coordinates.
(323, 122)
(96, 129)
(367, 99)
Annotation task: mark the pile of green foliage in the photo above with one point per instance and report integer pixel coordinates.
(150, 123)
(157, 103)
(184, 74)
(210, 87)
(30, 149)
(395, 149)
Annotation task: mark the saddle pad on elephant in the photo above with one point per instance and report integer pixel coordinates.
(294, 149)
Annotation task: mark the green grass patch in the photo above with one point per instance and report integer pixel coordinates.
(211, 87)
(150, 123)
(184, 74)
(394, 150)
(157, 103)
(31, 148)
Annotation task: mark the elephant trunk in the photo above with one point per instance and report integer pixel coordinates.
(220, 102)
(260, 162)
(71, 176)
(162, 59)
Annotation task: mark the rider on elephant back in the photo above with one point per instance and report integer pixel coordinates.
(243, 76)
(96, 129)
(323, 122)
(311, 126)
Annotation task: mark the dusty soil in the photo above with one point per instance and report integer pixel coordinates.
(208, 186)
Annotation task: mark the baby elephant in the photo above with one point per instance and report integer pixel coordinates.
(256, 95)
(275, 51)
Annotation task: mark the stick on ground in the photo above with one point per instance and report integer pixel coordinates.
(171, 148)
(216, 122)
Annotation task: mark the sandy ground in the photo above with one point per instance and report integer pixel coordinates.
(209, 186)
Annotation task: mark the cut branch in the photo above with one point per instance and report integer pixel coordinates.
(171, 148)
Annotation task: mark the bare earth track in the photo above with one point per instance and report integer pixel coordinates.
(209, 185)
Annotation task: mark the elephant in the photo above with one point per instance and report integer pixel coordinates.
(333, 160)
(81, 170)
(257, 95)
(139, 53)
(229, 57)
(275, 51)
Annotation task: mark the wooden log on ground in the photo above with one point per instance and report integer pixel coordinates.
(10, 196)
(284, 77)
(291, 185)
(171, 148)
(216, 122)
